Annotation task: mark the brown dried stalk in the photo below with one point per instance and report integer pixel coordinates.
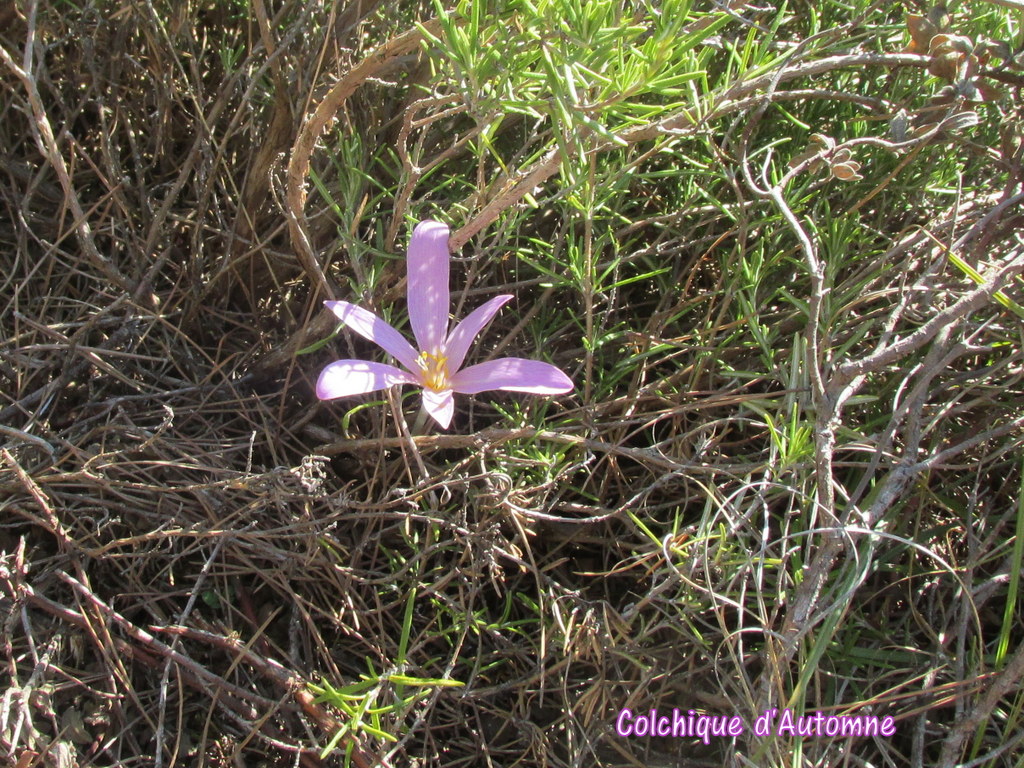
(43, 133)
(323, 116)
(150, 649)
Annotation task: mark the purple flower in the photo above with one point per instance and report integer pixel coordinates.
(437, 365)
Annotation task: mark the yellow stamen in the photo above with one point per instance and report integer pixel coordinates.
(435, 370)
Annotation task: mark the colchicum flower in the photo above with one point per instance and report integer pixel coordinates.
(437, 364)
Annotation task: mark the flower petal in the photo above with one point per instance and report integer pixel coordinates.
(514, 374)
(377, 330)
(344, 378)
(462, 337)
(440, 405)
(428, 285)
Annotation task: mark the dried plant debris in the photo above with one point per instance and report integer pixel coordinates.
(786, 477)
(822, 153)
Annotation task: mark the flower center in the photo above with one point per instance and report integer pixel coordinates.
(435, 370)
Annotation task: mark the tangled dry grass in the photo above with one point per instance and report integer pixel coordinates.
(189, 540)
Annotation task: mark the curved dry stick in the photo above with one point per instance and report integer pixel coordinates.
(322, 117)
(541, 171)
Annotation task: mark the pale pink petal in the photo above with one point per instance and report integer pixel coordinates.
(377, 330)
(440, 405)
(344, 378)
(514, 374)
(428, 285)
(462, 337)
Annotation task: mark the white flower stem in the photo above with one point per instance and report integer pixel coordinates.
(421, 421)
